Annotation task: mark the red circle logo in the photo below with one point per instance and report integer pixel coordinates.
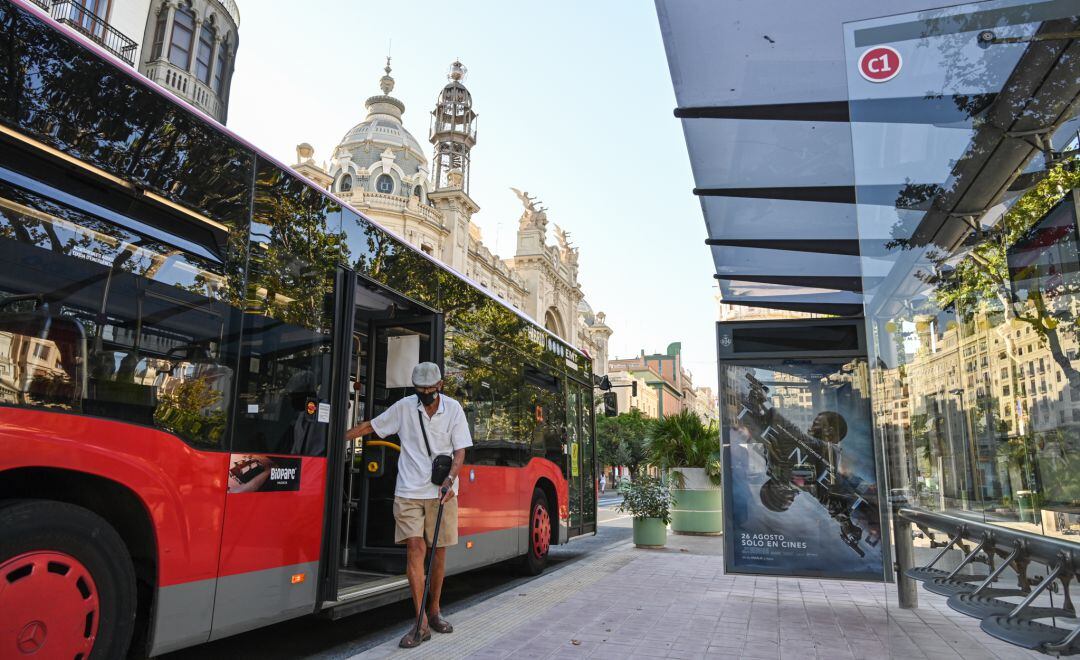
(311, 407)
(880, 63)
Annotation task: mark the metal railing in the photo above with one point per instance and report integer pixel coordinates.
(185, 85)
(94, 27)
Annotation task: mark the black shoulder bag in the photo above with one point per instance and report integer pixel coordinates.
(440, 465)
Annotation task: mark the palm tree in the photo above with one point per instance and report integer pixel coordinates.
(683, 440)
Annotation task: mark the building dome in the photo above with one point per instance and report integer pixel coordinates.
(585, 311)
(386, 133)
(381, 137)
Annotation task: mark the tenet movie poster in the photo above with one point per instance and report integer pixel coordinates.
(800, 476)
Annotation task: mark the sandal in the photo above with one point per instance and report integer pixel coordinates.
(410, 641)
(439, 624)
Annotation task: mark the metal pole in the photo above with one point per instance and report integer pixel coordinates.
(431, 560)
(907, 592)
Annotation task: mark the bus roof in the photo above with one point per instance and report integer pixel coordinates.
(132, 72)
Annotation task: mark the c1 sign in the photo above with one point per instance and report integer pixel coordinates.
(880, 63)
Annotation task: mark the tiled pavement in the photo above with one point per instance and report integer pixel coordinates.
(678, 603)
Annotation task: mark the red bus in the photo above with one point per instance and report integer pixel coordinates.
(187, 327)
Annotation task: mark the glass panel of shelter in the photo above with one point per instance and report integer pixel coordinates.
(980, 342)
(974, 323)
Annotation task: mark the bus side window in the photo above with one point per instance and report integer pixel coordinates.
(549, 411)
(42, 355)
(285, 370)
(101, 320)
(485, 376)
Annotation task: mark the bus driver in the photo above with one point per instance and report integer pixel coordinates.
(416, 499)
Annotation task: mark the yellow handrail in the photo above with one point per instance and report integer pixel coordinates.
(382, 443)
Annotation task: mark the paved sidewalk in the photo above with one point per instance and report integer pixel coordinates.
(678, 603)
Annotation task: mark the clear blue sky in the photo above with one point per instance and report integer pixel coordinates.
(575, 106)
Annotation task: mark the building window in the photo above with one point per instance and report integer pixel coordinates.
(427, 249)
(346, 183)
(219, 69)
(159, 33)
(384, 184)
(88, 14)
(204, 56)
(418, 192)
(183, 32)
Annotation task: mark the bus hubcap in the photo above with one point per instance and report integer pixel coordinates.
(541, 530)
(52, 603)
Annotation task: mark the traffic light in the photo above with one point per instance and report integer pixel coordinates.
(633, 388)
(611, 404)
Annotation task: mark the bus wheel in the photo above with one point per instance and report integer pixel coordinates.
(535, 557)
(68, 583)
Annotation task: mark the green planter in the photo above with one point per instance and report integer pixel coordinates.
(650, 533)
(697, 507)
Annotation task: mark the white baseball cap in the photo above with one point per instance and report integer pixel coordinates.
(426, 374)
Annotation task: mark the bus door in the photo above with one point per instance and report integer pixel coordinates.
(589, 475)
(580, 463)
(394, 348)
(389, 334)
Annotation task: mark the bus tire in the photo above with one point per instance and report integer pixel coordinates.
(535, 558)
(69, 583)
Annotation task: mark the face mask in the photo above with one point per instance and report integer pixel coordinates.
(426, 398)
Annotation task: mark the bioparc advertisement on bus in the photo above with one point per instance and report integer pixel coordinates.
(799, 472)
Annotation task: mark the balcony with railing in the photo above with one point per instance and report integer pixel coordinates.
(92, 26)
(185, 85)
(373, 201)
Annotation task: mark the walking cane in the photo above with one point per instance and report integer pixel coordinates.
(430, 561)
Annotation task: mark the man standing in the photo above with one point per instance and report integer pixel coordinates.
(416, 499)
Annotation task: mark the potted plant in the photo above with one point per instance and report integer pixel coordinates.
(689, 450)
(648, 501)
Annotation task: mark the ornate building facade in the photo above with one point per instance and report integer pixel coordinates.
(186, 46)
(381, 170)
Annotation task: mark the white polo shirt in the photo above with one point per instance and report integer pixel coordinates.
(447, 430)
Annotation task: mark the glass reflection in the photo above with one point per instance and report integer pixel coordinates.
(61, 94)
(112, 323)
(285, 367)
(974, 318)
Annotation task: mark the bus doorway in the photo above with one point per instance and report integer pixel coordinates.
(580, 451)
(390, 334)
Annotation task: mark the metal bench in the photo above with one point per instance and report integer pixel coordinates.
(1021, 623)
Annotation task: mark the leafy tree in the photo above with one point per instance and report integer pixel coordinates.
(193, 411)
(980, 283)
(624, 440)
(295, 251)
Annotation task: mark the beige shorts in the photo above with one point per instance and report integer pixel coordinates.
(416, 519)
